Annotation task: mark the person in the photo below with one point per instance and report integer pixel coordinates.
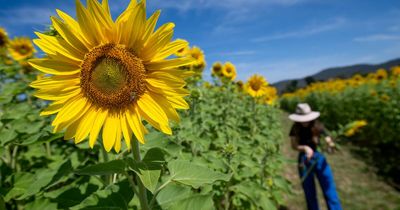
(305, 136)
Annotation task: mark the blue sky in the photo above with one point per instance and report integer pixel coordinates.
(280, 39)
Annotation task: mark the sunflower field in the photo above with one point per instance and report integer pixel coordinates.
(113, 116)
(367, 105)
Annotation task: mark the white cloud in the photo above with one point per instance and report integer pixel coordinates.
(185, 5)
(378, 37)
(306, 31)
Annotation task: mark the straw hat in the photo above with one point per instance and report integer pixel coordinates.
(304, 113)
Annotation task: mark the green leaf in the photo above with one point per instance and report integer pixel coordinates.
(21, 181)
(149, 169)
(180, 197)
(7, 135)
(256, 194)
(115, 196)
(188, 173)
(172, 193)
(111, 167)
(47, 177)
(194, 202)
(42, 204)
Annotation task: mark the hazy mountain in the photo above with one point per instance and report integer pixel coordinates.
(336, 72)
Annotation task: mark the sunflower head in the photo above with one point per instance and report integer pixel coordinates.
(395, 72)
(385, 98)
(357, 78)
(229, 71)
(106, 75)
(216, 70)
(21, 48)
(3, 38)
(256, 86)
(198, 55)
(354, 127)
(381, 74)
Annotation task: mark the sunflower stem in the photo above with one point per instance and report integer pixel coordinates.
(107, 178)
(14, 157)
(48, 149)
(142, 190)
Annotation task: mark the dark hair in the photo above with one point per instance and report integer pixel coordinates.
(315, 126)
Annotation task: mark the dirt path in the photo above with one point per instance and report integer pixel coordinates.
(358, 186)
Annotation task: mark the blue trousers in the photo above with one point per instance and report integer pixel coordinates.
(319, 167)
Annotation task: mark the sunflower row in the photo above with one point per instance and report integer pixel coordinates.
(338, 85)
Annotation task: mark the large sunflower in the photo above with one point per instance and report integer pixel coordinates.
(110, 75)
(229, 71)
(21, 48)
(256, 86)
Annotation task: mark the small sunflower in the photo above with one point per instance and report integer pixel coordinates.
(110, 75)
(381, 74)
(3, 38)
(395, 72)
(21, 48)
(217, 69)
(182, 51)
(229, 71)
(240, 85)
(198, 55)
(354, 127)
(256, 86)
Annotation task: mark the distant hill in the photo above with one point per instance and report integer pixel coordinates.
(336, 72)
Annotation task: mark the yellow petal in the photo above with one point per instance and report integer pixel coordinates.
(86, 24)
(117, 146)
(170, 49)
(157, 42)
(52, 109)
(164, 80)
(137, 22)
(85, 125)
(58, 95)
(150, 26)
(98, 123)
(168, 91)
(166, 106)
(135, 123)
(153, 113)
(58, 82)
(178, 102)
(50, 66)
(99, 14)
(152, 108)
(71, 130)
(126, 130)
(73, 108)
(51, 45)
(110, 129)
(69, 35)
(74, 27)
(168, 64)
